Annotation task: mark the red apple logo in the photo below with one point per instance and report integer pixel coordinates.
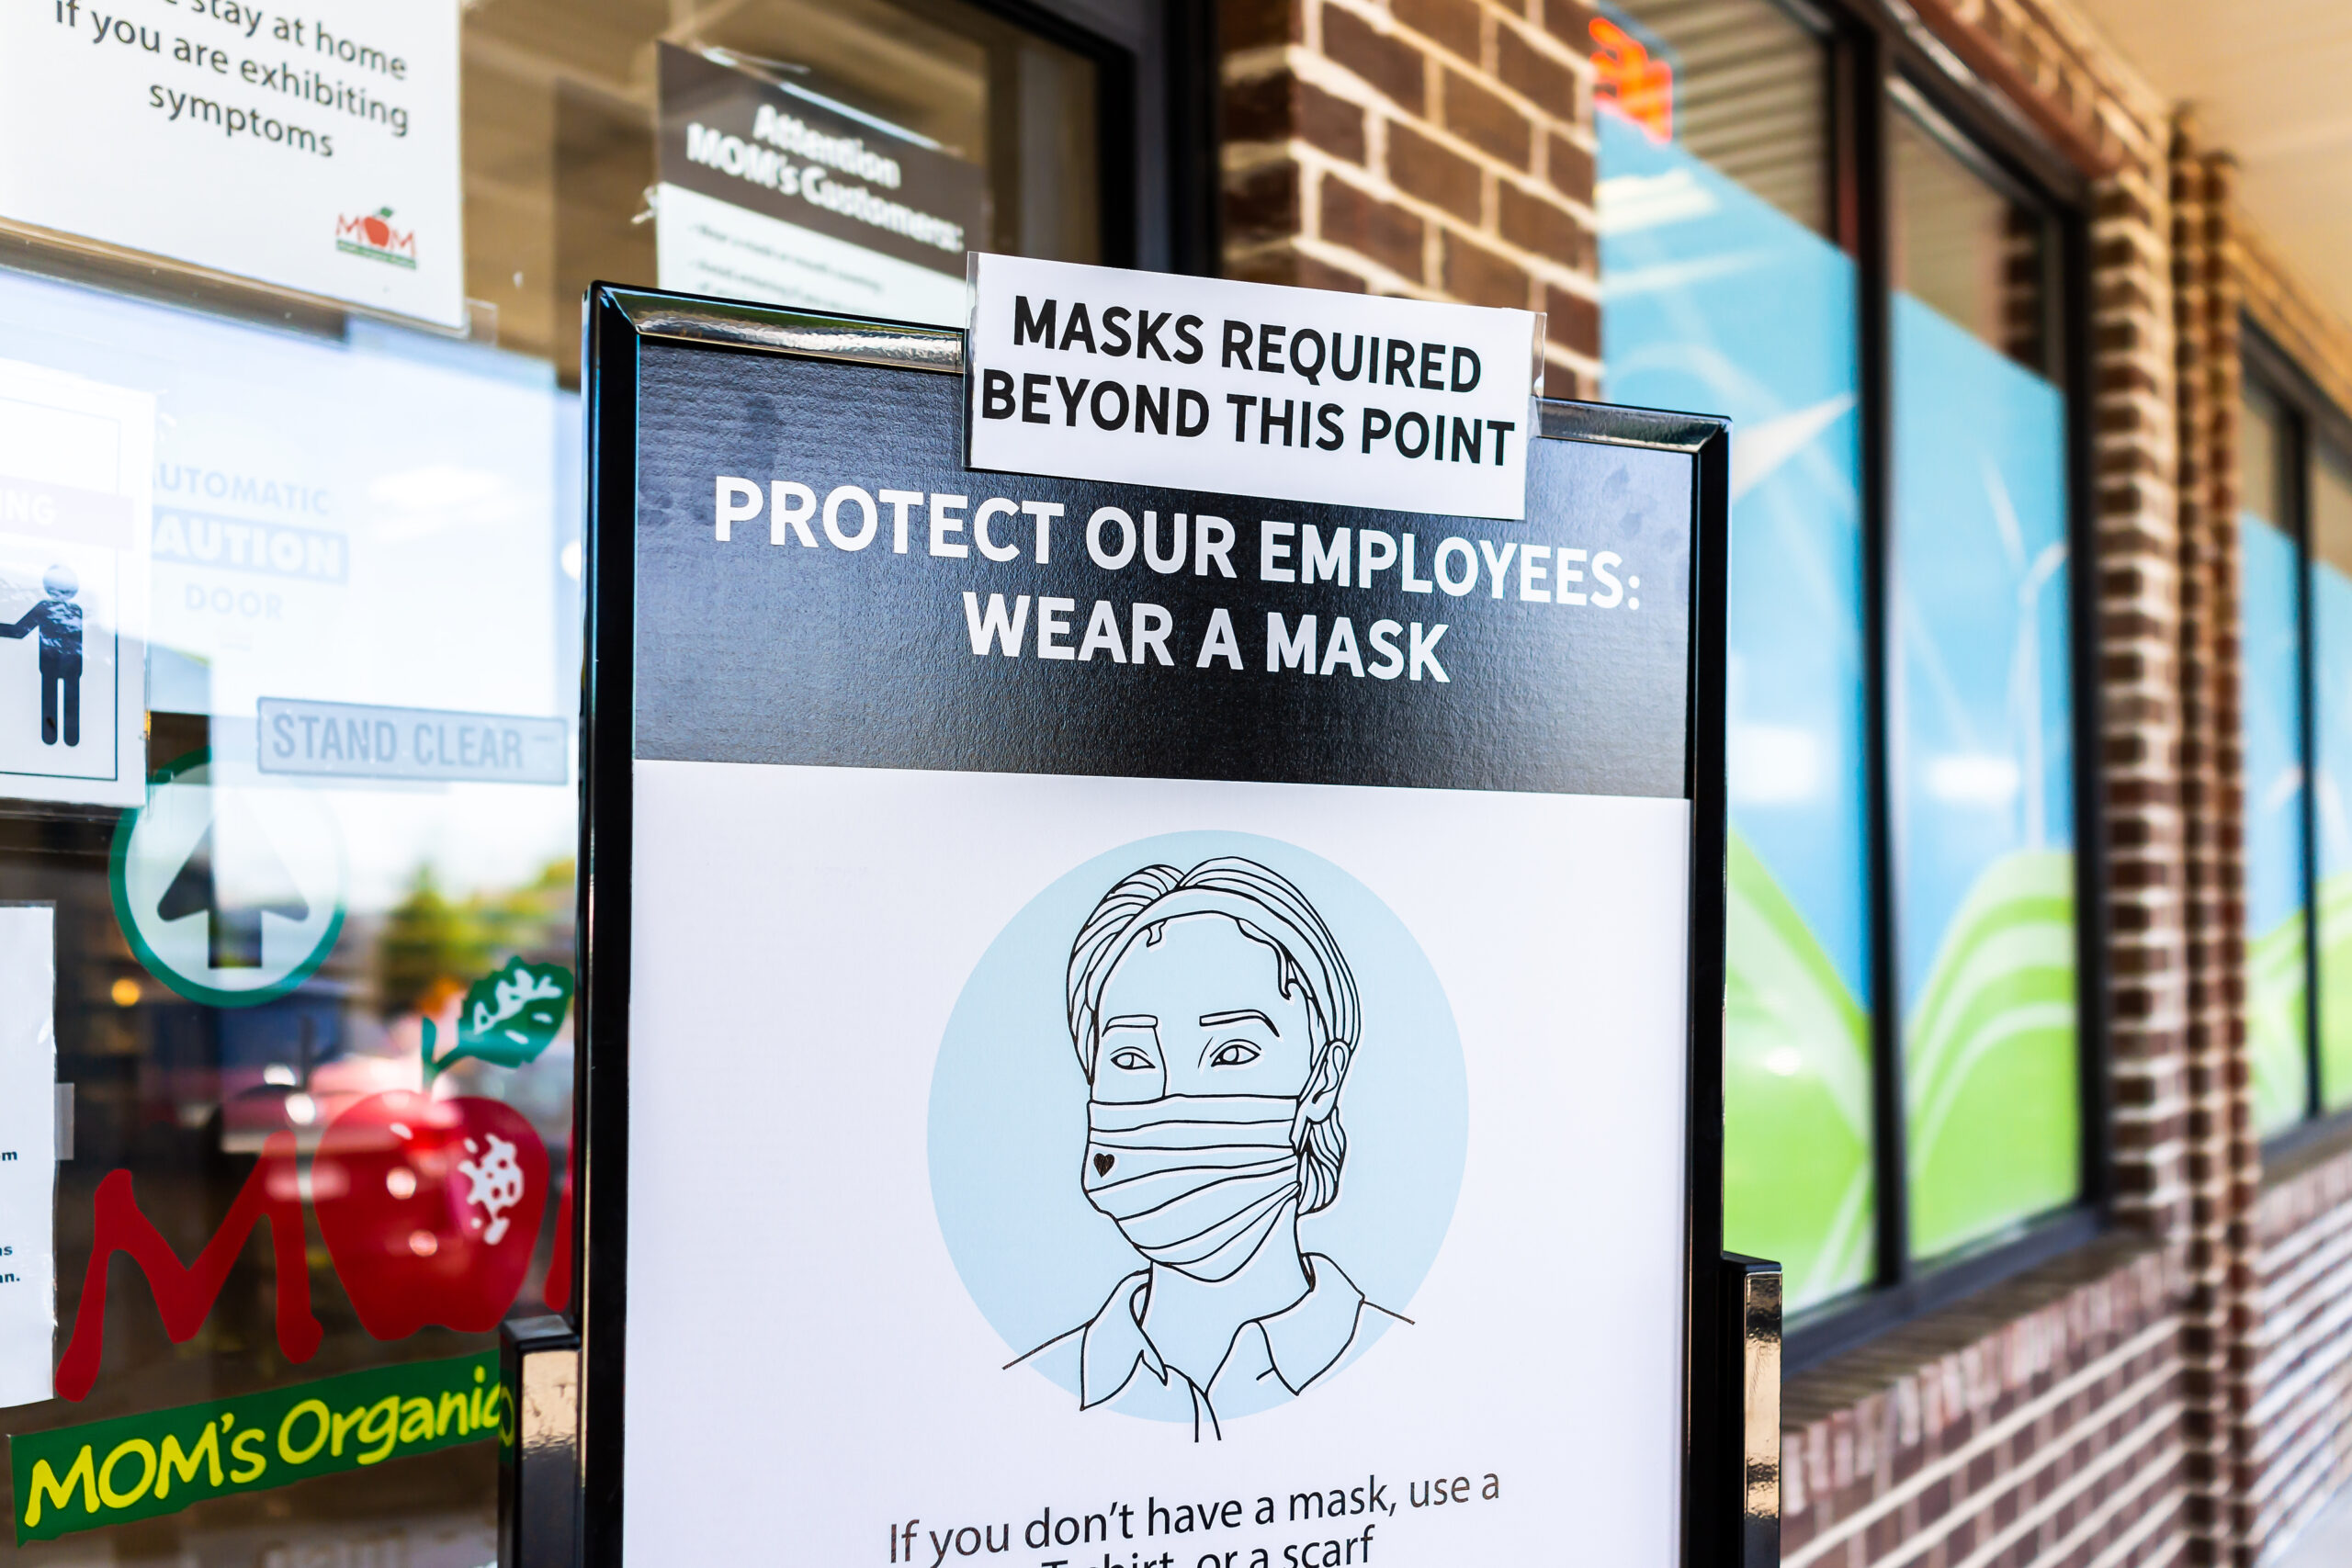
(430, 1209)
(378, 232)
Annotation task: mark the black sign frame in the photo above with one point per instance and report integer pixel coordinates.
(1719, 1469)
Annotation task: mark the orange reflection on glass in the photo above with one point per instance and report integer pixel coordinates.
(1629, 83)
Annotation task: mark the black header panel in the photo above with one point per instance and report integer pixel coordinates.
(1281, 642)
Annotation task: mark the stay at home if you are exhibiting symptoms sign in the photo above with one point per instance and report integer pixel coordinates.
(312, 148)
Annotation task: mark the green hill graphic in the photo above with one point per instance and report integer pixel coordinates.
(2275, 1021)
(1992, 1116)
(1991, 1095)
(1797, 1094)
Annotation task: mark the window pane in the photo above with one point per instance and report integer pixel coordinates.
(1966, 251)
(2272, 702)
(1695, 230)
(559, 101)
(365, 515)
(1981, 715)
(2330, 537)
(956, 74)
(348, 512)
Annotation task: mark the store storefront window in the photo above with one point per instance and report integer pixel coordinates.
(1719, 204)
(1902, 1088)
(319, 570)
(362, 568)
(2270, 698)
(2328, 474)
(2295, 599)
(1981, 719)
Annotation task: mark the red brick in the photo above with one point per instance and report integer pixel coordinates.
(1422, 168)
(1278, 106)
(1559, 381)
(1389, 63)
(1486, 121)
(1289, 266)
(1573, 322)
(1263, 203)
(1259, 24)
(1534, 75)
(1371, 227)
(1478, 277)
(1570, 21)
(1569, 168)
(1449, 24)
(1551, 232)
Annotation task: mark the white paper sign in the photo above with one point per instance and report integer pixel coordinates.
(76, 469)
(775, 193)
(1472, 1361)
(1301, 394)
(313, 148)
(28, 1151)
(707, 246)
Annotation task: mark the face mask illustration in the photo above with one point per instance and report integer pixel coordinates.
(1193, 1181)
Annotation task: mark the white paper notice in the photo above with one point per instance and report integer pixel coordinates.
(28, 1151)
(314, 149)
(775, 193)
(1202, 384)
(709, 246)
(77, 463)
(1492, 1274)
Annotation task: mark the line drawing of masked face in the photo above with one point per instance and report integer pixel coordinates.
(1194, 1182)
(1216, 1019)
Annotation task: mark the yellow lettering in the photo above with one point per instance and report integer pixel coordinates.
(237, 1452)
(61, 1493)
(416, 1420)
(384, 1432)
(318, 1412)
(454, 1403)
(182, 1463)
(343, 1424)
(494, 1410)
(146, 1452)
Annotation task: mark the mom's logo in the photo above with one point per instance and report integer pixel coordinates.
(372, 234)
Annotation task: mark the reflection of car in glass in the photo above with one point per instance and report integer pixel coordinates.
(293, 1065)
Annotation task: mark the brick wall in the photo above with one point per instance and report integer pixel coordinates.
(2224, 1153)
(2042, 1425)
(2301, 1453)
(1440, 148)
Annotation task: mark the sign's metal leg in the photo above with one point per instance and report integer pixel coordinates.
(1751, 1288)
(538, 1478)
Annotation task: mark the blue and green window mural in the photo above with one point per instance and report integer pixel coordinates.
(2328, 489)
(2270, 702)
(1721, 292)
(2295, 645)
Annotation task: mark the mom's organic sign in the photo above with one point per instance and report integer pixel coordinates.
(135, 1467)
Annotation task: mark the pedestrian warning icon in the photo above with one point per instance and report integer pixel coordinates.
(229, 893)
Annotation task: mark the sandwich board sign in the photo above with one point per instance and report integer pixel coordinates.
(1144, 1009)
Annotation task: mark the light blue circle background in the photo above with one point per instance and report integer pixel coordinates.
(1008, 1108)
